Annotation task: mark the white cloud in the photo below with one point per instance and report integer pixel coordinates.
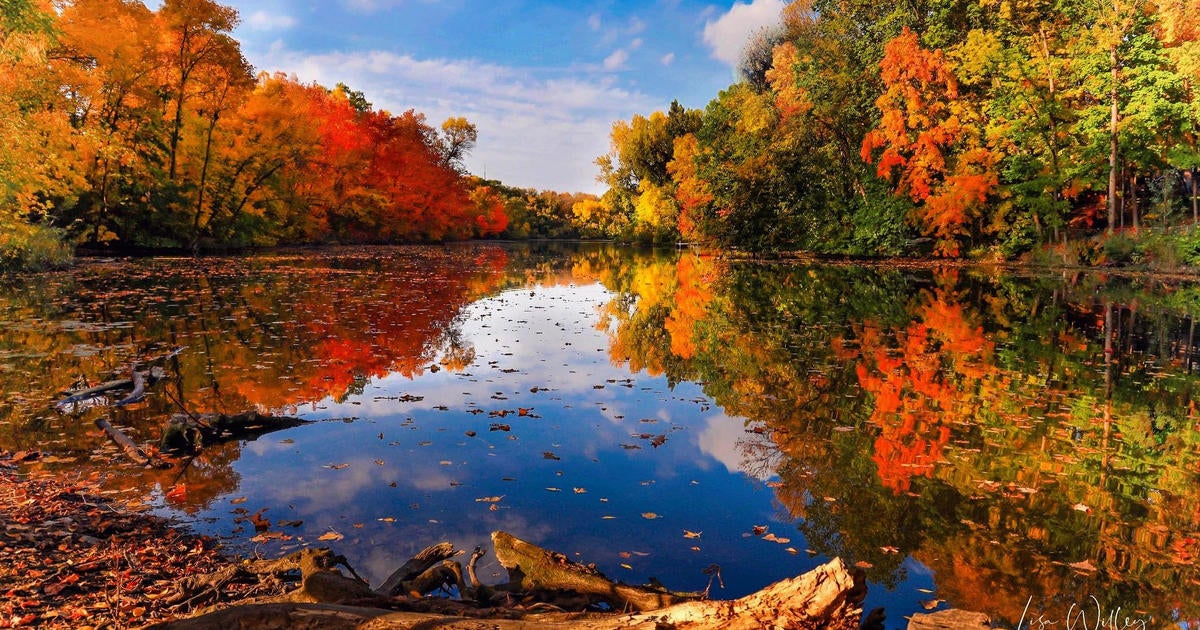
(724, 439)
(534, 131)
(668, 59)
(635, 44)
(594, 21)
(617, 60)
(726, 36)
(369, 6)
(636, 25)
(264, 21)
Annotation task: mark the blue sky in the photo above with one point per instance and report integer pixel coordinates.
(543, 81)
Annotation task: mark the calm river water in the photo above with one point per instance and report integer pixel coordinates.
(971, 438)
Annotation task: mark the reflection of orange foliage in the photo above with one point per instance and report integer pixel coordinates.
(387, 324)
(692, 295)
(920, 387)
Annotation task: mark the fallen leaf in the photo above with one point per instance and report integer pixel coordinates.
(330, 536)
(691, 534)
(649, 515)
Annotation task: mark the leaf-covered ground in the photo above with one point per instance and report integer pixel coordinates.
(70, 558)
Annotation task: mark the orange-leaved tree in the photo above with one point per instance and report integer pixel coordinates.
(930, 142)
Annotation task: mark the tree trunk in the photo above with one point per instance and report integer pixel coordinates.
(1113, 142)
(203, 182)
(1133, 201)
(1195, 201)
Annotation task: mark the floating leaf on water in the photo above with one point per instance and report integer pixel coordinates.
(553, 489)
(649, 515)
(336, 466)
(489, 499)
(330, 535)
(387, 519)
(550, 455)
(626, 566)
(690, 534)
(238, 501)
(606, 517)
(579, 490)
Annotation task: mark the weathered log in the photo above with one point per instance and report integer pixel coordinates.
(418, 564)
(826, 598)
(537, 569)
(132, 450)
(952, 619)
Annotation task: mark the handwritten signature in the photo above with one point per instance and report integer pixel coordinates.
(1091, 616)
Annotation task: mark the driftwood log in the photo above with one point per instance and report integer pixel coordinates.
(828, 597)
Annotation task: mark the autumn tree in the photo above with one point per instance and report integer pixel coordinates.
(196, 40)
(458, 139)
(107, 59)
(930, 143)
(35, 166)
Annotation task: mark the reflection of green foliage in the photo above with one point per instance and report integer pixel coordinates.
(1067, 457)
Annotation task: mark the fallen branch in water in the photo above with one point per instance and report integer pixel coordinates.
(139, 389)
(132, 450)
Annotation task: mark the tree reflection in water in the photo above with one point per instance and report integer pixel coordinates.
(1021, 437)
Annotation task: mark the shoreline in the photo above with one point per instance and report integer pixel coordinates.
(72, 558)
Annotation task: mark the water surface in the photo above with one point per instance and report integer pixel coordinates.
(969, 438)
